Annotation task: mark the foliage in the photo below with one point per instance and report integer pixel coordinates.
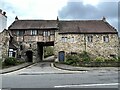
(119, 59)
(99, 59)
(84, 59)
(84, 56)
(0, 63)
(10, 61)
(48, 51)
(72, 59)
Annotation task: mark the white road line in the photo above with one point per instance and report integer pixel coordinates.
(86, 85)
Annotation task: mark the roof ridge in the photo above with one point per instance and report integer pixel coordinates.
(78, 20)
(35, 20)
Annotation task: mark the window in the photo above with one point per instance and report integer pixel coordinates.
(64, 39)
(46, 33)
(10, 52)
(105, 38)
(90, 38)
(113, 55)
(33, 32)
(20, 33)
(72, 39)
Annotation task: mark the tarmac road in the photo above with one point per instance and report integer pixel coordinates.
(42, 75)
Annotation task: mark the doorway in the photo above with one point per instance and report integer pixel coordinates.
(29, 55)
(61, 56)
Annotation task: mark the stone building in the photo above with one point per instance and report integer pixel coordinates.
(97, 37)
(3, 20)
(4, 36)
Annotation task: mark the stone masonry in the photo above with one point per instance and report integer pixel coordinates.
(96, 37)
(97, 48)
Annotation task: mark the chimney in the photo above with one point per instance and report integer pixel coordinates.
(4, 13)
(104, 19)
(16, 18)
(57, 18)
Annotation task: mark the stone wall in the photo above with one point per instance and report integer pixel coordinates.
(105, 49)
(119, 47)
(4, 44)
(96, 48)
(29, 42)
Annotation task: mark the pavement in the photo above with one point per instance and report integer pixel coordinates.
(74, 68)
(15, 68)
(24, 65)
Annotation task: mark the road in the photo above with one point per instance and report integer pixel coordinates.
(42, 75)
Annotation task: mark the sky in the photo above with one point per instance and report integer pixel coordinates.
(64, 9)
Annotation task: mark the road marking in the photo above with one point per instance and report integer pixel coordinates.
(86, 85)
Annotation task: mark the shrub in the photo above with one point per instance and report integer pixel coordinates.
(10, 61)
(119, 59)
(99, 59)
(84, 56)
(72, 59)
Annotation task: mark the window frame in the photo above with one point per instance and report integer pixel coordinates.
(46, 33)
(106, 39)
(34, 32)
(90, 38)
(64, 39)
(20, 32)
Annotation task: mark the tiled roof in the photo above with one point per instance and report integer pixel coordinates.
(75, 26)
(88, 26)
(33, 24)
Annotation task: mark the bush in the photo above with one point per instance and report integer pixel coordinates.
(85, 57)
(10, 61)
(72, 59)
(119, 59)
(99, 59)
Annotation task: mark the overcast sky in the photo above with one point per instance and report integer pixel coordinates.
(64, 9)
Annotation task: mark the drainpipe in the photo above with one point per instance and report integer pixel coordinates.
(85, 42)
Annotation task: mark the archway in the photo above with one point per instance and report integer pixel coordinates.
(29, 55)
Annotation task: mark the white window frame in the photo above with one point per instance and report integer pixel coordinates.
(72, 39)
(10, 52)
(64, 39)
(46, 33)
(106, 39)
(33, 32)
(90, 38)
